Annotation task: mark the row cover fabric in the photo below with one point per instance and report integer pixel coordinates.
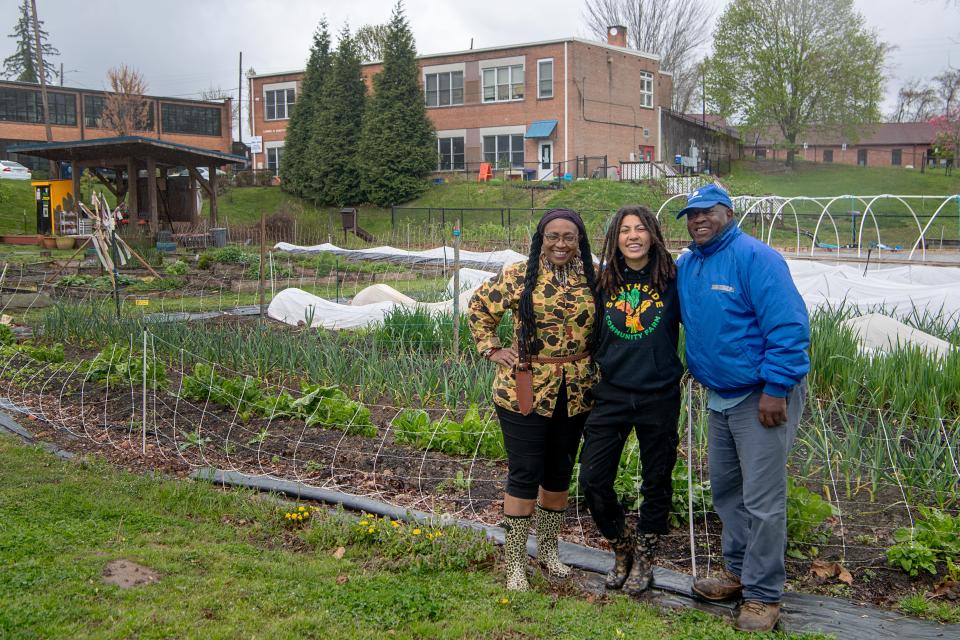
(437, 255)
(897, 292)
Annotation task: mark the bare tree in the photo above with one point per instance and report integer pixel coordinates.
(220, 94)
(672, 29)
(948, 88)
(370, 39)
(125, 109)
(916, 102)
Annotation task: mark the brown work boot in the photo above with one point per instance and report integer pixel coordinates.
(754, 615)
(726, 586)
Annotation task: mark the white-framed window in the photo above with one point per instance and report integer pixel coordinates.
(443, 89)
(504, 150)
(646, 89)
(545, 78)
(274, 151)
(450, 153)
(501, 84)
(278, 104)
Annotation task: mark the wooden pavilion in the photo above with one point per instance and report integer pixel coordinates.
(126, 156)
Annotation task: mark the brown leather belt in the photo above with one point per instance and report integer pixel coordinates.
(562, 359)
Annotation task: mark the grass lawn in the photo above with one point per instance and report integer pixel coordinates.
(229, 567)
(822, 179)
(243, 206)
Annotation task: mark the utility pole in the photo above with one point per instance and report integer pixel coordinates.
(240, 97)
(43, 85)
(61, 74)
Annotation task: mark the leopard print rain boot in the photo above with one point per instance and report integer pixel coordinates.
(515, 551)
(641, 573)
(623, 548)
(548, 531)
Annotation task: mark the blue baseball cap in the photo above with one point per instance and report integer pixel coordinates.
(706, 197)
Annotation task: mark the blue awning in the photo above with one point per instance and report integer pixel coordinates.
(541, 129)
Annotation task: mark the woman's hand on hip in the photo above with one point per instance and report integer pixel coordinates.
(504, 357)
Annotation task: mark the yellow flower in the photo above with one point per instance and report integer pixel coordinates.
(371, 530)
(394, 524)
(300, 509)
(504, 601)
(364, 523)
(416, 532)
(438, 534)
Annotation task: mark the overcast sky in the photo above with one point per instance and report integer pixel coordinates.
(183, 47)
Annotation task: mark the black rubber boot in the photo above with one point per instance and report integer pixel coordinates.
(641, 573)
(622, 560)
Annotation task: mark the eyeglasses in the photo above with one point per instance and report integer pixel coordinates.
(568, 238)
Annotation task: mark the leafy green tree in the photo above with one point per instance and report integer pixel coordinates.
(295, 164)
(790, 64)
(22, 65)
(334, 148)
(398, 147)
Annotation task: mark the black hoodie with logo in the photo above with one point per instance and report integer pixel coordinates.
(639, 333)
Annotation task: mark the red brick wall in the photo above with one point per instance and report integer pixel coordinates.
(877, 155)
(30, 132)
(605, 113)
(604, 116)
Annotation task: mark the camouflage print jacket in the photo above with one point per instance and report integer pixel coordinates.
(565, 315)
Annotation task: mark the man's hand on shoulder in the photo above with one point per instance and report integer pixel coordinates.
(773, 410)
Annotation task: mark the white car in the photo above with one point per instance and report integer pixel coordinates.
(10, 170)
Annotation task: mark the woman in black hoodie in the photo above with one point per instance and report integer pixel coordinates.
(638, 391)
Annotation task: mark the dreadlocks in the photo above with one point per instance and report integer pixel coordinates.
(528, 345)
(663, 270)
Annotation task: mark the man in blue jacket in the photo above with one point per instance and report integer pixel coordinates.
(747, 334)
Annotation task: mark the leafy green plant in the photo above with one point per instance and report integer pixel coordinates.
(806, 512)
(7, 336)
(317, 406)
(226, 255)
(73, 281)
(193, 439)
(52, 353)
(934, 538)
(178, 268)
(475, 434)
(702, 497)
(117, 365)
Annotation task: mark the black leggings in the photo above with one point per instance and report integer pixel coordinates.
(540, 450)
(654, 418)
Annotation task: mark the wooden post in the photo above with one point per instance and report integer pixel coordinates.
(76, 171)
(213, 194)
(133, 206)
(152, 195)
(263, 255)
(456, 289)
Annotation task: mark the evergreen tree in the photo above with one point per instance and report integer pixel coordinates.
(335, 145)
(22, 65)
(294, 163)
(398, 146)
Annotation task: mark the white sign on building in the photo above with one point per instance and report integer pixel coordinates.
(256, 144)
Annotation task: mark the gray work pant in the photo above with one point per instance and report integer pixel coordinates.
(748, 478)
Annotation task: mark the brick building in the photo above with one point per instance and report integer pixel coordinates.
(75, 114)
(879, 145)
(533, 105)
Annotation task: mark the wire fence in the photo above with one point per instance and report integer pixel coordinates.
(142, 401)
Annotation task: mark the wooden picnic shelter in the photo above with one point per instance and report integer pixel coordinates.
(126, 156)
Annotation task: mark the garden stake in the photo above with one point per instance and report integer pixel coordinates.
(456, 289)
(144, 376)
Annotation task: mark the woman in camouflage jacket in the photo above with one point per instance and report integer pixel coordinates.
(542, 388)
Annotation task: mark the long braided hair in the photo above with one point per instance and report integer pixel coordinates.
(527, 344)
(662, 268)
